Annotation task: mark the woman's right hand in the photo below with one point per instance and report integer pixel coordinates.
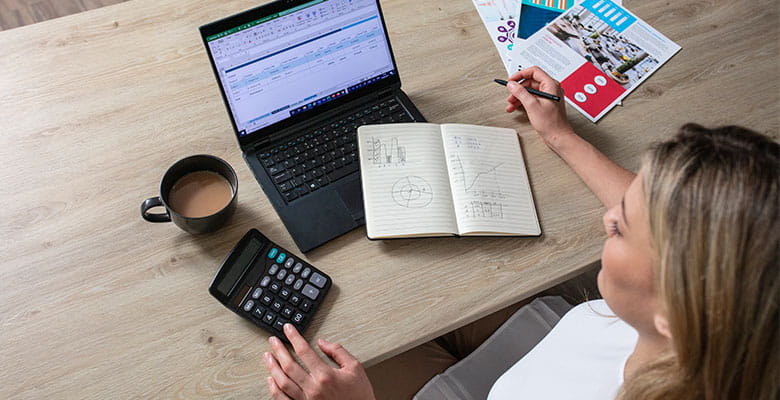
(548, 117)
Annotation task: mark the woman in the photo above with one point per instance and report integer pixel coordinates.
(690, 267)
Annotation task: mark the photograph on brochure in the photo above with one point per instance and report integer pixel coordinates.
(599, 51)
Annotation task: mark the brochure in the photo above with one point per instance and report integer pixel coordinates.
(500, 20)
(599, 51)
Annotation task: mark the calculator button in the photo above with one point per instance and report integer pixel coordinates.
(290, 279)
(298, 284)
(269, 318)
(287, 311)
(289, 262)
(249, 305)
(295, 299)
(275, 287)
(281, 257)
(284, 293)
(281, 274)
(266, 280)
(257, 293)
(306, 273)
(306, 305)
(273, 252)
(279, 325)
(298, 318)
(258, 312)
(297, 268)
(276, 305)
(318, 280)
(267, 299)
(311, 292)
(274, 268)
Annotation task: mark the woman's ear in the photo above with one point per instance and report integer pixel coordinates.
(662, 325)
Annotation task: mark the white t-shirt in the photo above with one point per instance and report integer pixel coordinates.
(581, 358)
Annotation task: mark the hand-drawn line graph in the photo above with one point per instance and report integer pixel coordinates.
(386, 153)
(412, 192)
(481, 180)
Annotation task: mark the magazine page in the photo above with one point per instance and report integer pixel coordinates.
(533, 15)
(599, 51)
(500, 20)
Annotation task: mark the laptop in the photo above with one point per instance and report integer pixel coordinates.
(298, 78)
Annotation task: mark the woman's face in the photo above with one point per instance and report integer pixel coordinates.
(626, 276)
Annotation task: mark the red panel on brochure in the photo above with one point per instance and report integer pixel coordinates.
(591, 90)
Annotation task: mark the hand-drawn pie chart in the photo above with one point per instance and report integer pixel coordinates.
(412, 192)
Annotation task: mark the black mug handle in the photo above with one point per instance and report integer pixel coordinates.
(150, 203)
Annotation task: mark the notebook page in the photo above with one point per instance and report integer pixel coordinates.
(406, 191)
(490, 188)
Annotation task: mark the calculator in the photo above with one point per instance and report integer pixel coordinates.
(268, 285)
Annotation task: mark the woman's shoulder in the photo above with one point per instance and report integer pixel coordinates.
(587, 349)
(590, 320)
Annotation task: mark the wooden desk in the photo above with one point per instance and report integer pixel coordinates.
(97, 303)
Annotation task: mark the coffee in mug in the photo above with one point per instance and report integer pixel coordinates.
(198, 194)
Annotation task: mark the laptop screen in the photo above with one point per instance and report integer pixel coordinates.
(295, 60)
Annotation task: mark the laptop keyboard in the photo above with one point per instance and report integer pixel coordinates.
(316, 159)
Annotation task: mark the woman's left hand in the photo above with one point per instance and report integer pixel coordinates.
(289, 380)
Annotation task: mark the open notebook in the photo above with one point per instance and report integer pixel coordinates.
(423, 180)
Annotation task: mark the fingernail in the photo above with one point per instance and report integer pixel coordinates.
(288, 328)
(272, 339)
(511, 84)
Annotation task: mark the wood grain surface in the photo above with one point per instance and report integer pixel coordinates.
(16, 13)
(97, 303)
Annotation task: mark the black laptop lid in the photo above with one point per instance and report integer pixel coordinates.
(289, 60)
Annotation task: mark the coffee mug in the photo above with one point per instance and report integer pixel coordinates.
(198, 194)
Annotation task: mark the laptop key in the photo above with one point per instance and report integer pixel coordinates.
(286, 186)
(312, 186)
(340, 173)
(301, 191)
(275, 169)
(290, 196)
(322, 181)
(284, 176)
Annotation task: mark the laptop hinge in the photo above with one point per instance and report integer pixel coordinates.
(261, 143)
(386, 93)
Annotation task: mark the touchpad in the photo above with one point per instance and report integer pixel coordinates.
(352, 196)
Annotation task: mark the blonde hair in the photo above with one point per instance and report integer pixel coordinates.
(713, 210)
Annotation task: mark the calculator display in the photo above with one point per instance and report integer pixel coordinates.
(238, 267)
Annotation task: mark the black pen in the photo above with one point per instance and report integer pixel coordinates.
(532, 91)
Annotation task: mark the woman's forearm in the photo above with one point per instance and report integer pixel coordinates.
(604, 177)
